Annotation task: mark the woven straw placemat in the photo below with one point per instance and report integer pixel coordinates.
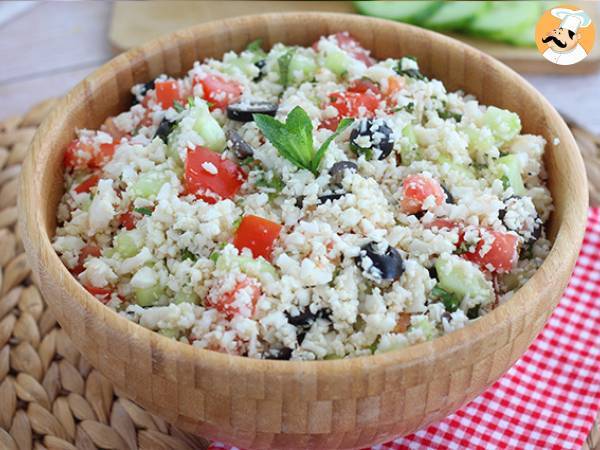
(50, 397)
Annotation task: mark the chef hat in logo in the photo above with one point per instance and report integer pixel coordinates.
(571, 20)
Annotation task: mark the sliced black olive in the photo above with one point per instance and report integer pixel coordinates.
(164, 129)
(147, 86)
(330, 197)
(260, 64)
(449, 196)
(473, 313)
(446, 315)
(433, 273)
(380, 136)
(240, 147)
(388, 266)
(307, 317)
(338, 170)
(242, 112)
(535, 233)
(283, 354)
(299, 201)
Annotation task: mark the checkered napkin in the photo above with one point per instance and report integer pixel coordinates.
(551, 396)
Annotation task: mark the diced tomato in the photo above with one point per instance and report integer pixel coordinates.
(166, 93)
(103, 155)
(111, 128)
(127, 220)
(218, 90)
(395, 84)
(351, 104)
(87, 184)
(258, 235)
(350, 45)
(241, 300)
(102, 294)
(78, 154)
(208, 186)
(448, 224)
(501, 251)
(364, 85)
(87, 250)
(417, 189)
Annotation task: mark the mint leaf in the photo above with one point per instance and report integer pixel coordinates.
(255, 46)
(144, 211)
(294, 140)
(186, 254)
(344, 123)
(451, 302)
(284, 66)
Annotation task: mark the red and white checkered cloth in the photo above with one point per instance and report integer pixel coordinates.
(551, 396)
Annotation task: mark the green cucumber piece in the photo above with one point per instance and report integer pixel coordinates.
(148, 296)
(243, 65)
(337, 61)
(303, 65)
(455, 15)
(504, 15)
(409, 152)
(126, 245)
(208, 128)
(185, 297)
(462, 278)
(247, 265)
(509, 169)
(409, 11)
(148, 184)
(462, 171)
(504, 124)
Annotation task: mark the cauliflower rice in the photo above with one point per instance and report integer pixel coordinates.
(226, 230)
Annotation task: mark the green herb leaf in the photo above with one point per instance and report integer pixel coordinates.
(444, 114)
(293, 139)
(144, 211)
(374, 345)
(255, 46)
(191, 102)
(451, 302)
(177, 106)
(214, 256)
(505, 181)
(236, 223)
(411, 73)
(284, 66)
(344, 123)
(473, 313)
(409, 108)
(186, 254)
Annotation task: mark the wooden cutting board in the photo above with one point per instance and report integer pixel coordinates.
(136, 22)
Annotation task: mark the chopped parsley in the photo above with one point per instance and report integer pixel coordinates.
(144, 211)
(505, 181)
(411, 73)
(451, 301)
(186, 254)
(177, 106)
(445, 114)
(409, 108)
(274, 184)
(283, 63)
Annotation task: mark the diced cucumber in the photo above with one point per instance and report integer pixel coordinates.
(462, 278)
(504, 15)
(172, 333)
(455, 15)
(509, 167)
(337, 61)
(247, 265)
(208, 128)
(148, 184)
(185, 297)
(148, 296)
(426, 327)
(126, 244)
(409, 11)
(302, 68)
(481, 142)
(504, 124)
(462, 171)
(409, 152)
(242, 65)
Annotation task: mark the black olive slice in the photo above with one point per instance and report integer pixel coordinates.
(164, 129)
(330, 197)
(338, 170)
(386, 267)
(240, 147)
(380, 136)
(243, 111)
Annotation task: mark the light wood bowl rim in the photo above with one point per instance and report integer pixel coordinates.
(567, 242)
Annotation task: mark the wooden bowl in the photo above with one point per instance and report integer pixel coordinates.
(286, 404)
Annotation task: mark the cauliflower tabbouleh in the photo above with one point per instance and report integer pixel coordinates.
(305, 203)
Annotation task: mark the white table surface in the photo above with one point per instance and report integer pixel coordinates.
(46, 48)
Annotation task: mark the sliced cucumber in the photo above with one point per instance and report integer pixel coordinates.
(463, 172)
(509, 169)
(302, 68)
(504, 15)
(410, 11)
(148, 184)
(185, 297)
(126, 244)
(337, 61)
(462, 278)
(504, 124)
(208, 128)
(409, 151)
(455, 15)
(243, 65)
(148, 296)
(247, 265)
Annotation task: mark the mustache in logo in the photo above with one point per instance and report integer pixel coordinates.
(556, 41)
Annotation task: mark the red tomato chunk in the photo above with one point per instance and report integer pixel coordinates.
(258, 235)
(102, 294)
(241, 300)
(167, 92)
(352, 46)
(211, 187)
(500, 251)
(351, 104)
(417, 189)
(219, 91)
(87, 184)
(87, 250)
